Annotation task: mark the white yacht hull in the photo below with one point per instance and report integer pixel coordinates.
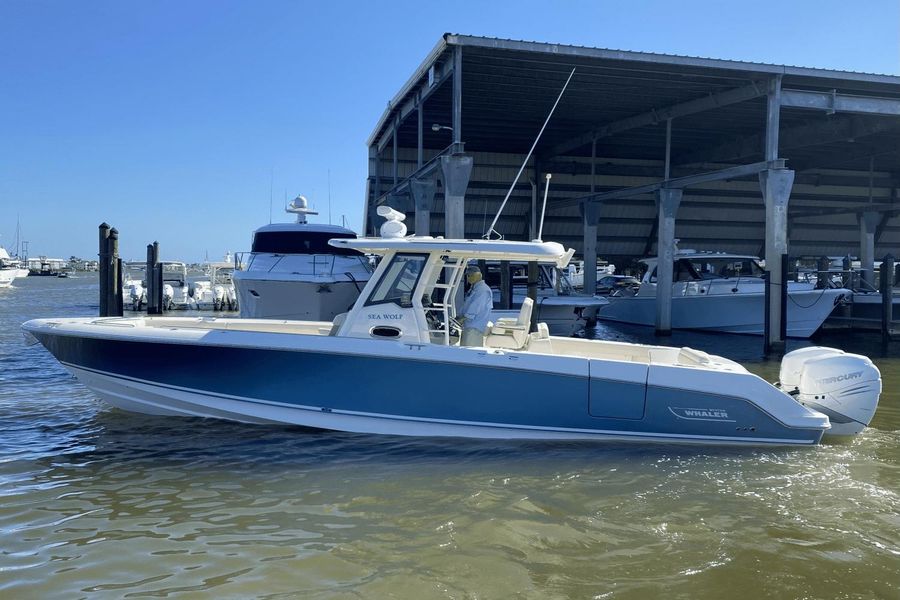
(736, 313)
(322, 300)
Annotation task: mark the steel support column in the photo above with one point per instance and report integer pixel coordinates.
(590, 213)
(776, 189)
(422, 192)
(420, 144)
(396, 169)
(457, 94)
(773, 118)
(456, 170)
(668, 200)
(868, 225)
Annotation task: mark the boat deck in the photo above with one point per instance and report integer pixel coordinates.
(556, 346)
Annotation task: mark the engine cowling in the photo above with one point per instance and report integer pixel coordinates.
(845, 387)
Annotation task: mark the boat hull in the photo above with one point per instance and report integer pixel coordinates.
(737, 313)
(389, 387)
(260, 298)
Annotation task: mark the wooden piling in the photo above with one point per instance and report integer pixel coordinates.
(822, 275)
(103, 256)
(114, 279)
(505, 286)
(154, 280)
(887, 296)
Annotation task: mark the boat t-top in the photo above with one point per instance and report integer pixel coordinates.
(393, 364)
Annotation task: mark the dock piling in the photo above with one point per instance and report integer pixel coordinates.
(110, 272)
(505, 286)
(114, 288)
(822, 274)
(103, 256)
(887, 296)
(154, 280)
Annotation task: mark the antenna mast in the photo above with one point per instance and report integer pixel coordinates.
(271, 190)
(540, 236)
(487, 234)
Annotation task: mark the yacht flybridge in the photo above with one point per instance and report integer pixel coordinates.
(294, 274)
(393, 364)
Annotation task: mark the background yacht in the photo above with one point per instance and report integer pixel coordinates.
(293, 273)
(10, 268)
(722, 292)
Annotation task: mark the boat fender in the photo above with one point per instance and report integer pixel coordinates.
(845, 387)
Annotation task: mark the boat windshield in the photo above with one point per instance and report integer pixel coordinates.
(399, 280)
(299, 242)
(712, 267)
(725, 267)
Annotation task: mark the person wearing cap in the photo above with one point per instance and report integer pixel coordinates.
(476, 309)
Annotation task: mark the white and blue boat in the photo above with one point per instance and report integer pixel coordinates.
(393, 365)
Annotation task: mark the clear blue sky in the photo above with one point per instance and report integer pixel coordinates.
(168, 119)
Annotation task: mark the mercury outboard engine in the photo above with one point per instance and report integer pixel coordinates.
(845, 387)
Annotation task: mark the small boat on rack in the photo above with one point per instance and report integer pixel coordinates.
(216, 291)
(393, 364)
(176, 291)
(721, 292)
(134, 285)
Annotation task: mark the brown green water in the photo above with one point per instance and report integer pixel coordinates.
(98, 503)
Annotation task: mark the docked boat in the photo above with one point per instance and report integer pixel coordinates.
(176, 290)
(392, 364)
(565, 310)
(134, 286)
(714, 291)
(216, 291)
(575, 272)
(292, 272)
(10, 268)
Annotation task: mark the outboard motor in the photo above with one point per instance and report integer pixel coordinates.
(843, 386)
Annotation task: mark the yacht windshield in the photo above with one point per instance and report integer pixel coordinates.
(299, 242)
(399, 280)
(722, 267)
(712, 267)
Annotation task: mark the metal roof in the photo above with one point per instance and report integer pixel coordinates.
(509, 86)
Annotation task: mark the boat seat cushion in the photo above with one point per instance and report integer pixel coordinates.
(511, 334)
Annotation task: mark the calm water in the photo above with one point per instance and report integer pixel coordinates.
(98, 503)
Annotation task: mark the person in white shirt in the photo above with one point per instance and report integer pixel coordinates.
(476, 309)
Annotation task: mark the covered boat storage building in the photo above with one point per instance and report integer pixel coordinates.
(643, 149)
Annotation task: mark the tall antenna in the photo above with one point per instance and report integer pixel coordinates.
(487, 234)
(544, 209)
(329, 196)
